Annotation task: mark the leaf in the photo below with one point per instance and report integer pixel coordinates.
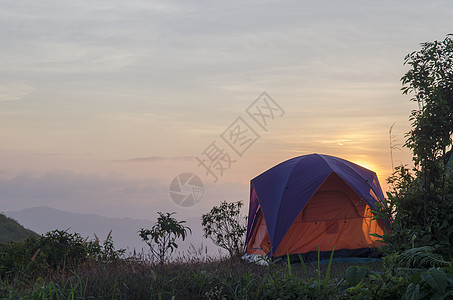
(436, 279)
(355, 274)
(376, 235)
(412, 292)
(304, 266)
(289, 265)
(327, 276)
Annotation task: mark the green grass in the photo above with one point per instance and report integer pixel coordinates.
(60, 265)
(187, 279)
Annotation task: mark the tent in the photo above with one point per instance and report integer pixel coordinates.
(314, 201)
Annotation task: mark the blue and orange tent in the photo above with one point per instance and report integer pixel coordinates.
(314, 201)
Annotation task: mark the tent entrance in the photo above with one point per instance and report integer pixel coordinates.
(334, 216)
(259, 243)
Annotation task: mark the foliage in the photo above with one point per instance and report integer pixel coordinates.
(57, 251)
(104, 252)
(405, 209)
(420, 203)
(422, 257)
(362, 283)
(161, 238)
(21, 259)
(61, 247)
(400, 283)
(225, 226)
(284, 284)
(72, 288)
(232, 279)
(434, 283)
(430, 79)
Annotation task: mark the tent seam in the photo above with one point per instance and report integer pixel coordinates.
(279, 207)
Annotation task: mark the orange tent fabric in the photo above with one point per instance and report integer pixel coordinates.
(334, 216)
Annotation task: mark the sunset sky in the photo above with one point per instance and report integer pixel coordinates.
(103, 103)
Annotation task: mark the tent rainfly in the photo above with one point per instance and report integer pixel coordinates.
(314, 201)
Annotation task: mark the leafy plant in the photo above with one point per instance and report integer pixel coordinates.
(362, 283)
(421, 257)
(286, 285)
(62, 248)
(225, 226)
(161, 238)
(104, 252)
(434, 283)
(420, 203)
(356, 274)
(21, 259)
(430, 79)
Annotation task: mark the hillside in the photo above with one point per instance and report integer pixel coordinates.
(124, 230)
(12, 230)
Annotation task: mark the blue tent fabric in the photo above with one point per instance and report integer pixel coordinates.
(284, 190)
(253, 210)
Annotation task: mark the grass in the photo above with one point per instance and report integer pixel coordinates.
(207, 278)
(61, 265)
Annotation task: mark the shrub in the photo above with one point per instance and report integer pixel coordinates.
(161, 238)
(62, 248)
(21, 259)
(104, 252)
(225, 226)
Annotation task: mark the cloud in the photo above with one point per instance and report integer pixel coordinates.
(67, 57)
(71, 190)
(59, 154)
(106, 194)
(156, 158)
(14, 91)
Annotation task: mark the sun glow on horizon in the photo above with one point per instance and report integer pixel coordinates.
(368, 165)
(380, 173)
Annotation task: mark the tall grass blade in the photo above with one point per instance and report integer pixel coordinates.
(319, 267)
(304, 266)
(327, 276)
(289, 264)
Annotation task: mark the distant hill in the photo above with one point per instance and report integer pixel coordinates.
(124, 230)
(11, 230)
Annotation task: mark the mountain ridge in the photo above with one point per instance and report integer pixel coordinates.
(11, 230)
(124, 230)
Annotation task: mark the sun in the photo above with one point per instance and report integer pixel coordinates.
(365, 164)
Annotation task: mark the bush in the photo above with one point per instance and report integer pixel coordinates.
(104, 252)
(62, 248)
(225, 226)
(22, 259)
(362, 283)
(56, 250)
(161, 238)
